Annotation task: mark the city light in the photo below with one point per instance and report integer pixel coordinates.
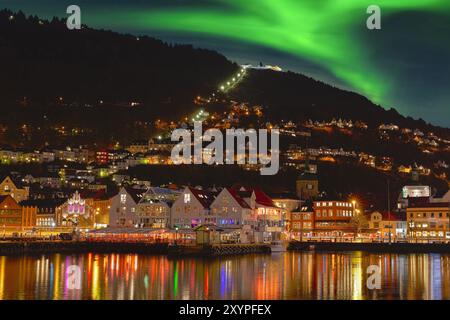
(144, 176)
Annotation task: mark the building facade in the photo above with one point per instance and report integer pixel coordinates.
(14, 217)
(75, 213)
(234, 215)
(13, 189)
(307, 186)
(302, 222)
(123, 210)
(288, 203)
(428, 221)
(45, 211)
(269, 217)
(191, 209)
(154, 209)
(383, 223)
(333, 218)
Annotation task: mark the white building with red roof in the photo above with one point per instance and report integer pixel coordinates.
(231, 212)
(247, 214)
(123, 211)
(269, 216)
(191, 208)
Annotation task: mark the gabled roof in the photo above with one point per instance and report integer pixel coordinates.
(238, 198)
(261, 198)
(244, 193)
(159, 195)
(163, 191)
(136, 194)
(3, 198)
(204, 197)
(16, 182)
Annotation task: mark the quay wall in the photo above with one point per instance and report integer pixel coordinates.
(371, 247)
(45, 247)
(218, 250)
(42, 247)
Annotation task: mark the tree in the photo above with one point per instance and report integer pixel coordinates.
(359, 221)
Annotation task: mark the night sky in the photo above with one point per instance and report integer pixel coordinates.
(405, 65)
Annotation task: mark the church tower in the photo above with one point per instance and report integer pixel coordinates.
(307, 184)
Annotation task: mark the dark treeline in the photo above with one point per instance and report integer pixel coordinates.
(43, 60)
(291, 95)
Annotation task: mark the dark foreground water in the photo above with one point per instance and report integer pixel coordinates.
(277, 276)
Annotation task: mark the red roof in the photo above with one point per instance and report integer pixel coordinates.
(393, 216)
(260, 196)
(263, 199)
(430, 205)
(238, 198)
(2, 198)
(204, 197)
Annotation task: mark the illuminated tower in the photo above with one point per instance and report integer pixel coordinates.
(307, 184)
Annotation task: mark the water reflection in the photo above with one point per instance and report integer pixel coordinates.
(279, 276)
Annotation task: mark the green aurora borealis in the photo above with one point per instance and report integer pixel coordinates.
(405, 65)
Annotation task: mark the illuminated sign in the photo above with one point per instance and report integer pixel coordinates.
(76, 205)
(415, 191)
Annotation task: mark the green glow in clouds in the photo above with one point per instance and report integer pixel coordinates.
(322, 31)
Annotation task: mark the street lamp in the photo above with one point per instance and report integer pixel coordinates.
(354, 215)
(176, 235)
(389, 209)
(97, 212)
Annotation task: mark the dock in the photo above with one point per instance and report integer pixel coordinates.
(46, 247)
(215, 250)
(378, 247)
(69, 247)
